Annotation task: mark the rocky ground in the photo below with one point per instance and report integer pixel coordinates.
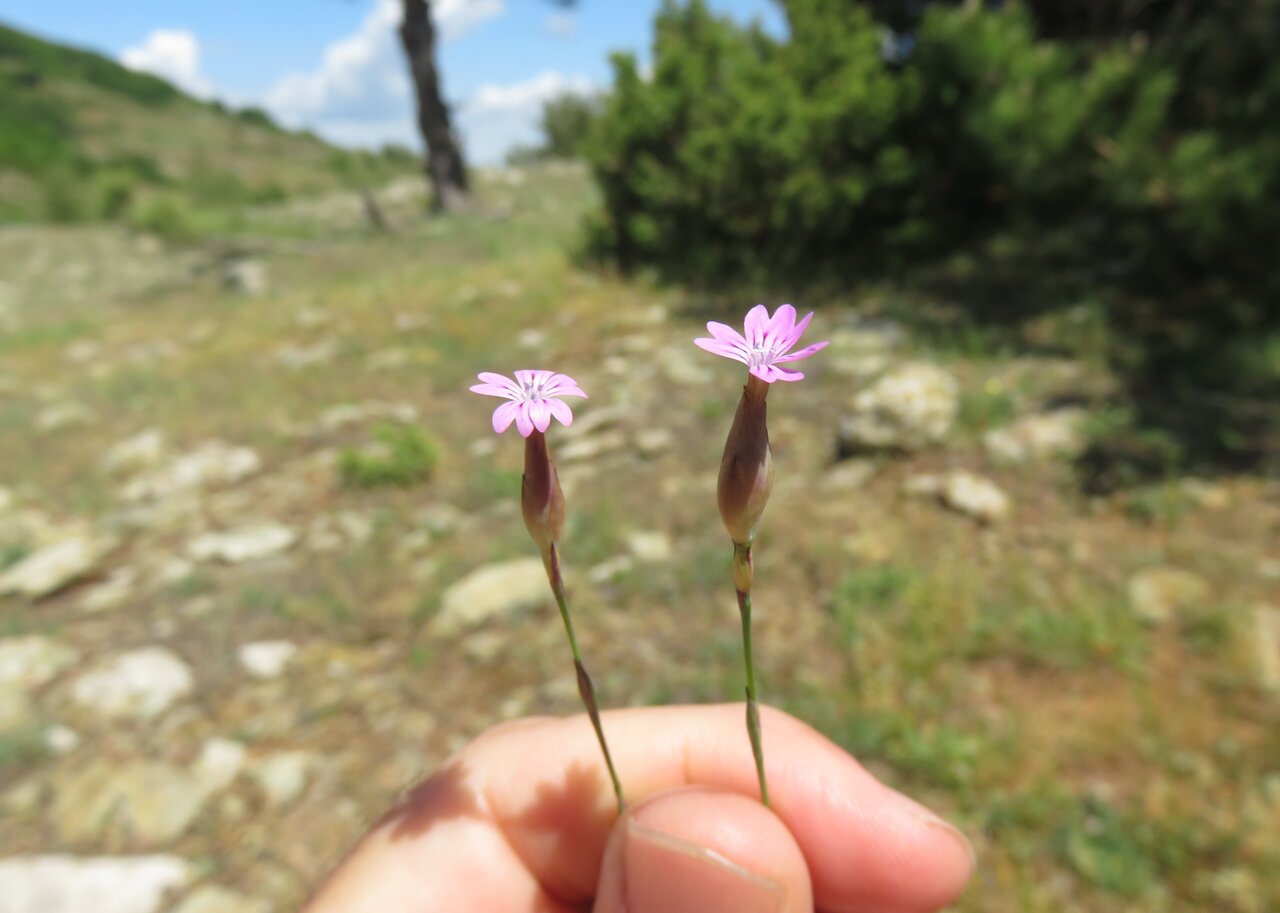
(222, 653)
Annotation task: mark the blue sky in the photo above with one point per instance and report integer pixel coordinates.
(335, 66)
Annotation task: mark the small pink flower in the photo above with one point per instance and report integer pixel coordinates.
(533, 399)
(767, 343)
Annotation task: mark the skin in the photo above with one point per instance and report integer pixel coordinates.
(523, 819)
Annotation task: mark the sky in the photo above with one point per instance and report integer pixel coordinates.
(335, 66)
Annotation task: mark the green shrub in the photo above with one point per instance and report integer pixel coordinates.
(163, 214)
(112, 194)
(401, 455)
(66, 197)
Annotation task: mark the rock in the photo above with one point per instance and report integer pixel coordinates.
(16, 711)
(283, 776)
(245, 276)
(213, 899)
(295, 356)
(649, 546)
(61, 740)
(611, 569)
(589, 448)
(63, 415)
(55, 566)
(1038, 437)
(266, 658)
(1266, 621)
(1155, 593)
(141, 684)
(923, 485)
(595, 420)
(345, 414)
(6, 499)
(650, 442)
(111, 592)
(909, 408)
(151, 802)
(490, 592)
(102, 884)
(212, 463)
(220, 762)
(975, 496)
(245, 543)
(30, 661)
(848, 475)
(139, 451)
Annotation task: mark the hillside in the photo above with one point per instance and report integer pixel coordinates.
(82, 138)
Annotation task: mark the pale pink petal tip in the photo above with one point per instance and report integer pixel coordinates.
(532, 399)
(766, 342)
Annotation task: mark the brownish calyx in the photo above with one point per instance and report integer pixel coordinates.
(746, 469)
(541, 499)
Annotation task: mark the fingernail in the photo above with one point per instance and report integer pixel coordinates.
(664, 873)
(922, 814)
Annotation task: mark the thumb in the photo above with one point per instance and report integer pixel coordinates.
(700, 850)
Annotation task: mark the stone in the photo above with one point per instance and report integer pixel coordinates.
(491, 592)
(150, 801)
(649, 546)
(251, 542)
(589, 448)
(849, 475)
(911, 407)
(245, 276)
(283, 776)
(210, 464)
(975, 496)
(63, 415)
(1156, 593)
(218, 765)
(296, 356)
(1266, 625)
(1034, 438)
(923, 485)
(17, 712)
(651, 442)
(215, 899)
(54, 567)
(32, 660)
(6, 499)
(266, 658)
(345, 414)
(101, 884)
(137, 451)
(112, 592)
(141, 684)
(611, 569)
(61, 740)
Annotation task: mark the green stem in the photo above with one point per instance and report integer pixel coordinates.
(742, 561)
(585, 688)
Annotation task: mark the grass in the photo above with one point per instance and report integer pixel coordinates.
(996, 673)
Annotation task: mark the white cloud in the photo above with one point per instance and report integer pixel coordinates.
(362, 77)
(499, 116)
(173, 54)
(562, 23)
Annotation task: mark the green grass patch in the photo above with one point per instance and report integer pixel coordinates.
(399, 456)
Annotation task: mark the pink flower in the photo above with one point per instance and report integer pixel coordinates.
(533, 399)
(767, 343)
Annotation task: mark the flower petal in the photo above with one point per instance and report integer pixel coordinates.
(562, 385)
(492, 390)
(780, 326)
(756, 324)
(524, 424)
(724, 350)
(803, 353)
(561, 411)
(498, 380)
(504, 415)
(540, 414)
(726, 334)
(798, 331)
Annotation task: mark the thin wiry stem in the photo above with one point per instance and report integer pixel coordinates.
(585, 688)
(742, 575)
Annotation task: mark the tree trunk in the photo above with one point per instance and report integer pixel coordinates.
(445, 167)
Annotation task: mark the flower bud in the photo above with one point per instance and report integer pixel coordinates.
(746, 469)
(541, 499)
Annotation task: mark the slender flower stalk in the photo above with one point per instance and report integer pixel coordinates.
(746, 469)
(531, 404)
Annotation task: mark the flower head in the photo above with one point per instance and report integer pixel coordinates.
(765, 344)
(534, 399)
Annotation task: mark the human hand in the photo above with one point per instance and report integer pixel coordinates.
(522, 820)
